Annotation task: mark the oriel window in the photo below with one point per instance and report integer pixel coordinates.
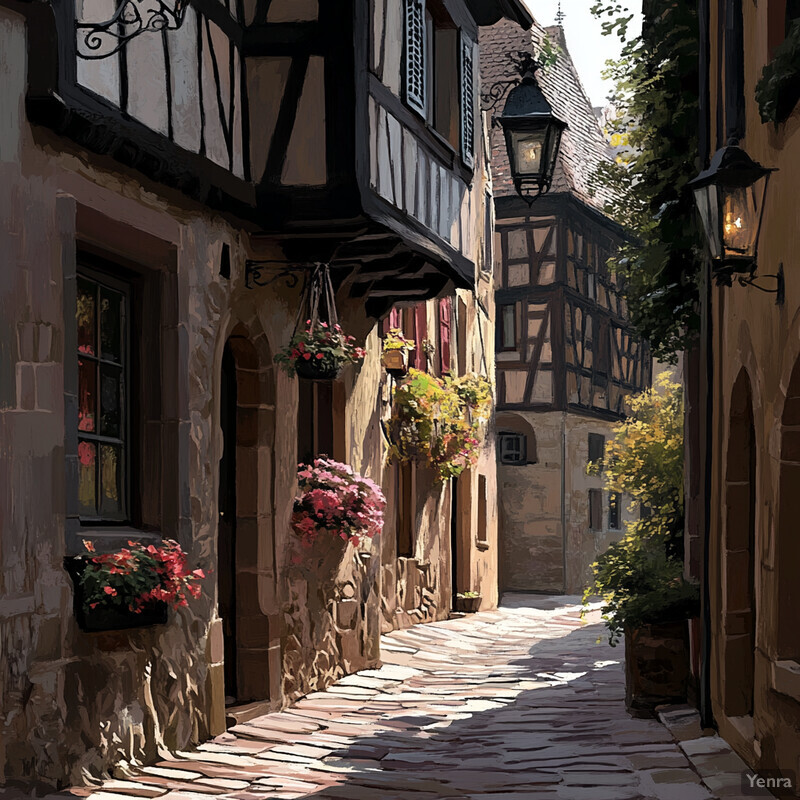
(102, 320)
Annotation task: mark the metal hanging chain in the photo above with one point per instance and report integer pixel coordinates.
(316, 292)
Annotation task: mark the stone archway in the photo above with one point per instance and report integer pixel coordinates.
(247, 601)
(739, 554)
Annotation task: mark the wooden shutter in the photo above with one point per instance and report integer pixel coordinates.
(595, 509)
(392, 321)
(415, 77)
(445, 315)
(467, 100)
(420, 334)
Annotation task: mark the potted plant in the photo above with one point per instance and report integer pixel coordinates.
(319, 351)
(335, 500)
(468, 602)
(436, 421)
(132, 587)
(396, 349)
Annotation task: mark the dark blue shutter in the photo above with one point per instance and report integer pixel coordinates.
(467, 100)
(415, 88)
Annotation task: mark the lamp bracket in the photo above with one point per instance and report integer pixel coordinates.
(780, 284)
(518, 64)
(264, 273)
(132, 17)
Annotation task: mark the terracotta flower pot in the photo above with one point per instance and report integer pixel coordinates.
(315, 369)
(468, 605)
(395, 361)
(656, 666)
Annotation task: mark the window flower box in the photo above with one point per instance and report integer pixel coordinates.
(395, 353)
(132, 587)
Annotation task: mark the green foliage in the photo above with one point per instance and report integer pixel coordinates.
(778, 91)
(640, 578)
(437, 421)
(657, 102)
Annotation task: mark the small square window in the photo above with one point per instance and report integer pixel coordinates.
(512, 448)
(614, 516)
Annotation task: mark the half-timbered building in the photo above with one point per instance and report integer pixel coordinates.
(567, 358)
(170, 174)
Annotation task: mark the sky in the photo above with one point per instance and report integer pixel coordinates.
(587, 45)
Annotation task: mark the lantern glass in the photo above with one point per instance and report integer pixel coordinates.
(528, 147)
(741, 218)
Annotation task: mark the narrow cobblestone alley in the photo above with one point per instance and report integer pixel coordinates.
(524, 702)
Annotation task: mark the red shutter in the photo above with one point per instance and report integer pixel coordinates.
(420, 333)
(445, 315)
(392, 321)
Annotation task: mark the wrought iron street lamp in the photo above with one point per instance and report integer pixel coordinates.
(730, 197)
(103, 39)
(532, 131)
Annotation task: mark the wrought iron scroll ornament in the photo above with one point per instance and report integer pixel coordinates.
(264, 273)
(780, 284)
(132, 17)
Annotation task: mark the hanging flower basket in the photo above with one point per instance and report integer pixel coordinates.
(335, 500)
(133, 587)
(439, 421)
(320, 349)
(395, 353)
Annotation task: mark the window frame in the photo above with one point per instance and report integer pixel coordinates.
(501, 319)
(595, 437)
(98, 271)
(595, 510)
(615, 518)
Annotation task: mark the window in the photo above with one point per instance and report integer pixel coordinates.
(597, 447)
(614, 502)
(512, 448)
(595, 509)
(440, 74)
(103, 374)
(508, 327)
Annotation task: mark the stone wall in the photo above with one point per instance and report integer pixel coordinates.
(73, 704)
(542, 535)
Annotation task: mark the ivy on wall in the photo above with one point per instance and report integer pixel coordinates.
(656, 103)
(778, 90)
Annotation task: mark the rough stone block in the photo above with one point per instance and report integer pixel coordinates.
(49, 387)
(26, 387)
(25, 341)
(44, 342)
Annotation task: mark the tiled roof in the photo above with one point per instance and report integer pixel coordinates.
(582, 146)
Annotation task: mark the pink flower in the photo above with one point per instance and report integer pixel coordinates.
(88, 545)
(110, 590)
(307, 356)
(320, 356)
(198, 573)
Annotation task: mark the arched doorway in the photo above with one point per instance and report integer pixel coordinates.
(739, 554)
(245, 544)
(787, 542)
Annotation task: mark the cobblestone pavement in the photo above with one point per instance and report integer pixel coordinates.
(519, 703)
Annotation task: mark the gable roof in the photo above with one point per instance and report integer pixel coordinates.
(583, 146)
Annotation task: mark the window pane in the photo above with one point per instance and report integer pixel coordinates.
(87, 395)
(85, 317)
(111, 325)
(509, 334)
(110, 407)
(110, 479)
(87, 478)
